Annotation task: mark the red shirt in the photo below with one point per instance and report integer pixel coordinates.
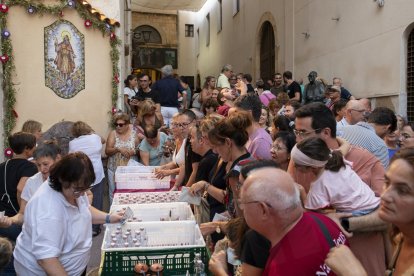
(303, 250)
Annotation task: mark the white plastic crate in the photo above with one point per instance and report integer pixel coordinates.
(158, 212)
(159, 235)
(139, 178)
(145, 197)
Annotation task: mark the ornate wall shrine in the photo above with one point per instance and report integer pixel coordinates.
(60, 62)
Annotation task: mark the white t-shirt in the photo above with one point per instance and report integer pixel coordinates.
(130, 92)
(343, 190)
(54, 228)
(91, 145)
(31, 186)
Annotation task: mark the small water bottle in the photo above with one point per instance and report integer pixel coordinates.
(199, 268)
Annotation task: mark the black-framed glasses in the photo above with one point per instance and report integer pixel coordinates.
(305, 133)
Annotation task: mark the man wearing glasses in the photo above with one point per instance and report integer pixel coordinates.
(316, 120)
(354, 113)
(300, 240)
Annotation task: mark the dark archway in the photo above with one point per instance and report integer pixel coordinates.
(267, 51)
(410, 77)
(146, 42)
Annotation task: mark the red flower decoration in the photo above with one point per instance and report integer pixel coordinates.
(61, 14)
(112, 36)
(15, 113)
(8, 152)
(114, 110)
(4, 58)
(88, 23)
(116, 79)
(4, 8)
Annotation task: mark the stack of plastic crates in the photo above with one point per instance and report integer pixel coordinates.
(175, 211)
(171, 244)
(139, 178)
(145, 197)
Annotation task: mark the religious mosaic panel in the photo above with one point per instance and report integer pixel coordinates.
(64, 59)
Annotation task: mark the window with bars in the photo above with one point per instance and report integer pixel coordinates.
(189, 30)
(410, 77)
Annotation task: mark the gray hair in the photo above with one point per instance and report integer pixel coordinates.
(282, 201)
(167, 70)
(227, 67)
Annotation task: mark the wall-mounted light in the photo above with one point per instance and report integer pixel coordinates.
(335, 18)
(306, 34)
(381, 3)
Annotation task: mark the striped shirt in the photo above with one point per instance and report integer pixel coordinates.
(363, 134)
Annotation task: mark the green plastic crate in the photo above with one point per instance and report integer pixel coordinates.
(175, 261)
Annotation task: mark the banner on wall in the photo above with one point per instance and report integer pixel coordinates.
(64, 59)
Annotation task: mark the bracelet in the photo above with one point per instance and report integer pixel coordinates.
(206, 185)
(108, 218)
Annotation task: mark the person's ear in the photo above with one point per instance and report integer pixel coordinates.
(264, 210)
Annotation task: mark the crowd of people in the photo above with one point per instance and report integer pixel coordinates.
(294, 179)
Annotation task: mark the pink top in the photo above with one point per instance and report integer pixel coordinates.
(342, 190)
(266, 97)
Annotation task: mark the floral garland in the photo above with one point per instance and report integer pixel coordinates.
(7, 60)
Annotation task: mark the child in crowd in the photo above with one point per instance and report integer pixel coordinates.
(336, 185)
(45, 155)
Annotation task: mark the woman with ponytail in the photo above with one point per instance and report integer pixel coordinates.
(337, 185)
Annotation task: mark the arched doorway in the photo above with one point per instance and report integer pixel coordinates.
(146, 48)
(267, 51)
(410, 76)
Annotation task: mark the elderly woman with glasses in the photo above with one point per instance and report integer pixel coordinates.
(121, 146)
(57, 234)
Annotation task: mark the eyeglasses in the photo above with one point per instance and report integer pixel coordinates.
(78, 192)
(250, 202)
(181, 125)
(279, 148)
(304, 133)
(358, 110)
(405, 136)
(119, 125)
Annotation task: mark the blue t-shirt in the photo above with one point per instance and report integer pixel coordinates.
(156, 153)
(167, 89)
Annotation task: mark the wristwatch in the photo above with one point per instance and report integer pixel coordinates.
(345, 224)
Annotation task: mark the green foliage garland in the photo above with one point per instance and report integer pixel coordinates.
(7, 49)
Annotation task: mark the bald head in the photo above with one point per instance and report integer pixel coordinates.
(273, 186)
(367, 104)
(354, 112)
(355, 104)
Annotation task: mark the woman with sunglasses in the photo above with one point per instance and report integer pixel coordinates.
(57, 234)
(121, 146)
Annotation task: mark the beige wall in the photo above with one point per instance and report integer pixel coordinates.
(36, 101)
(365, 46)
(187, 53)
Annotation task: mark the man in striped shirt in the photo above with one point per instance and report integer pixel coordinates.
(370, 135)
